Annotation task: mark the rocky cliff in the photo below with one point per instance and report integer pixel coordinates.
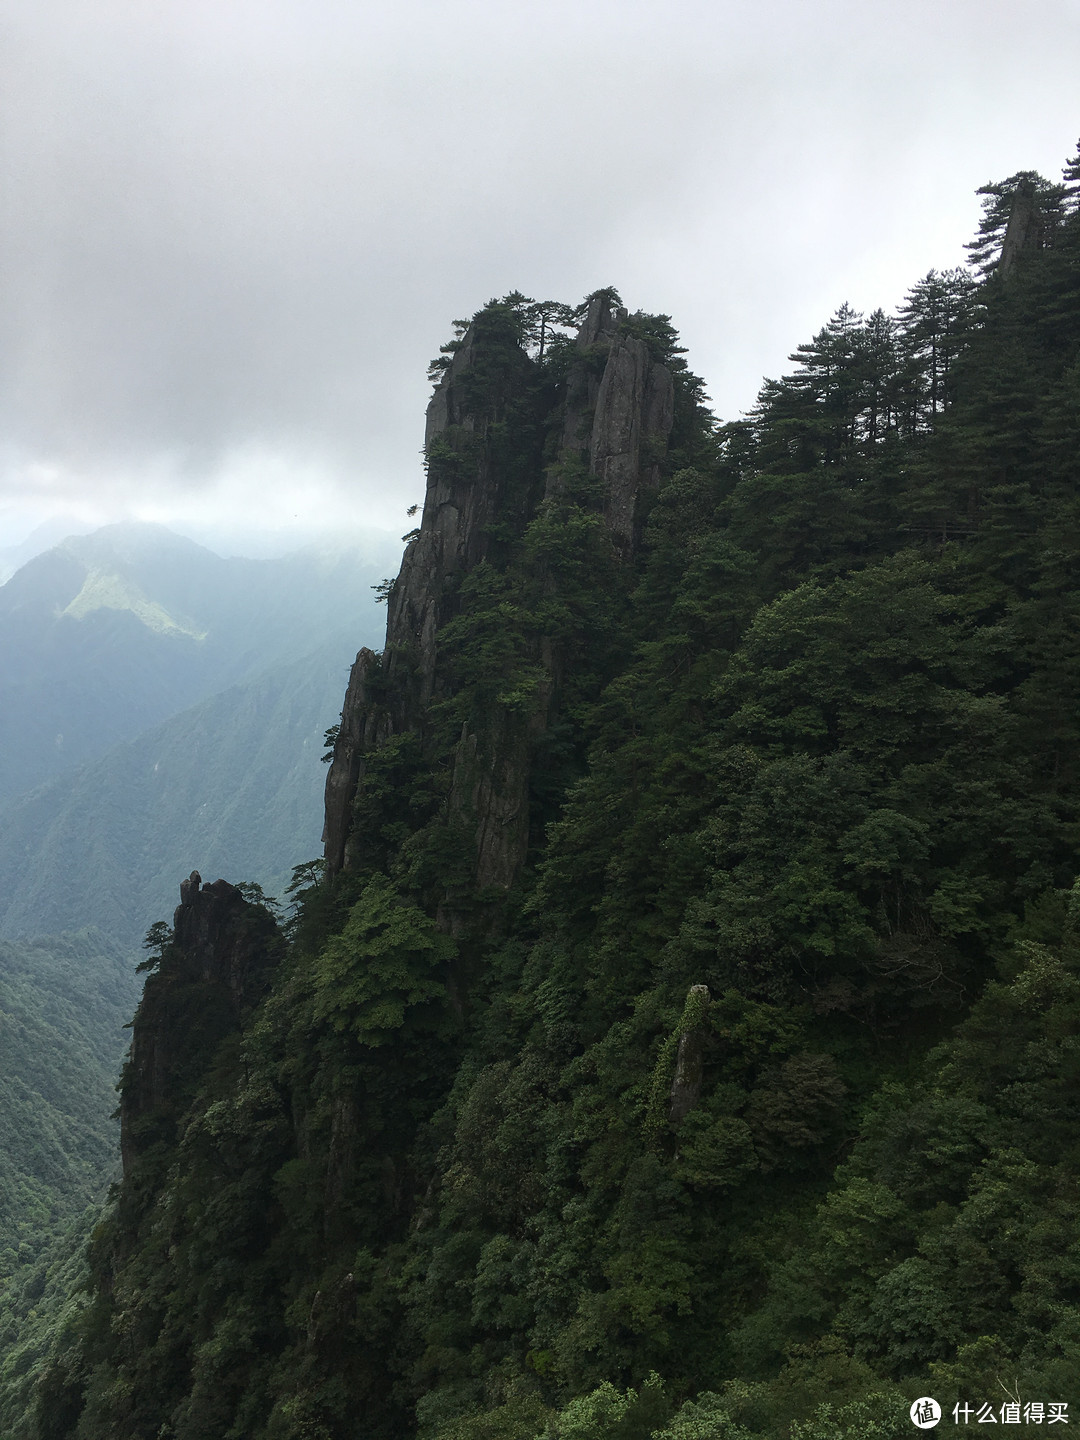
(597, 421)
(213, 969)
(658, 1108)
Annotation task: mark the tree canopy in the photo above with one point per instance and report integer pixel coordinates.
(803, 854)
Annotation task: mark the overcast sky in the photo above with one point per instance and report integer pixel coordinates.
(233, 234)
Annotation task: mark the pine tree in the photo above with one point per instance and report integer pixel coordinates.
(1071, 187)
(935, 322)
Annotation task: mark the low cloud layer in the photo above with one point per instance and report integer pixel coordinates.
(235, 233)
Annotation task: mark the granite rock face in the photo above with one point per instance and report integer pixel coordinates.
(213, 972)
(362, 726)
(689, 1061)
(612, 417)
(1025, 230)
(634, 411)
(621, 418)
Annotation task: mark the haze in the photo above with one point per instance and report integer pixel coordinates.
(234, 234)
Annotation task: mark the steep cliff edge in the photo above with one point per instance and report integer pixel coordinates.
(509, 440)
(212, 971)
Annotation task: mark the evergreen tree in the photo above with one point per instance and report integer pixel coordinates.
(748, 1110)
(935, 320)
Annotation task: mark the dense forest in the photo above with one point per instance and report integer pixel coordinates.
(682, 1035)
(64, 1001)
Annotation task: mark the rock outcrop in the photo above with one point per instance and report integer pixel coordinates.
(1024, 231)
(620, 419)
(690, 1058)
(213, 971)
(611, 419)
(362, 726)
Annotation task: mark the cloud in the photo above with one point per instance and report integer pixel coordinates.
(238, 230)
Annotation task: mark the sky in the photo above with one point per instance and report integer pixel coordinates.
(233, 233)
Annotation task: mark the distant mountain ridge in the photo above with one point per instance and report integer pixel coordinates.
(231, 785)
(109, 634)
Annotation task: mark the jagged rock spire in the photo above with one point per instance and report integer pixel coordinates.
(615, 416)
(212, 973)
(621, 419)
(1024, 230)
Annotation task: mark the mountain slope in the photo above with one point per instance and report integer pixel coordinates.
(64, 1002)
(683, 1040)
(108, 634)
(234, 783)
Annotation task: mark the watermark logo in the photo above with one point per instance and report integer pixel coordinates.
(926, 1412)
(1013, 1412)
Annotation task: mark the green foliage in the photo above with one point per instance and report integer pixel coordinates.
(306, 876)
(388, 959)
(63, 1001)
(814, 746)
(254, 894)
(157, 940)
(610, 1414)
